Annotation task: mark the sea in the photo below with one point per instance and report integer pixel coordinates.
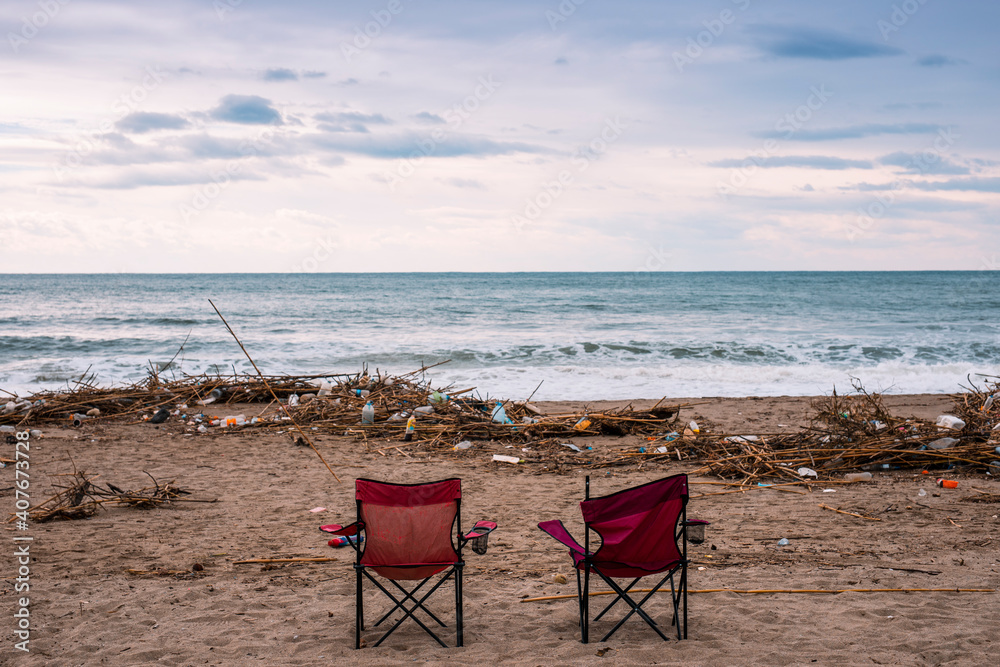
(563, 336)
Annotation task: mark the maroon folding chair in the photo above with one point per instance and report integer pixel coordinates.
(408, 536)
(640, 529)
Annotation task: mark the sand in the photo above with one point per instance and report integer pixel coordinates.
(87, 608)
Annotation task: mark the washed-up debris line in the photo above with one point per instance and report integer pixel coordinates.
(443, 418)
(857, 432)
(848, 432)
(82, 497)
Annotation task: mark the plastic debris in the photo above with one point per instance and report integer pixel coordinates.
(465, 444)
(506, 459)
(943, 443)
(571, 446)
(783, 542)
(807, 472)
(951, 422)
(499, 415)
(858, 477)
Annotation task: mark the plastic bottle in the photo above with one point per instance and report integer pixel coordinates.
(694, 427)
(947, 483)
(344, 540)
(293, 400)
(858, 477)
(212, 397)
(411, 426)
(465, 444)
(988, 403)
(368, 413)
(583, 424)
(438, 397)
(942, 443)
(424, 410)
(363, 393)
(232, 420)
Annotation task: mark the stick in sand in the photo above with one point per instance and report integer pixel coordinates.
(783, 590)
(273, 395)
(860, 516)
(283, 560)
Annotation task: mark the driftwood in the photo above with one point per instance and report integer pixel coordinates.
(83, 497)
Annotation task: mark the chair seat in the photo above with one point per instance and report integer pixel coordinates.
(413, 573)
(621, 570)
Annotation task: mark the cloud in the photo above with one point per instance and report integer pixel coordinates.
(246, 110)
(792, 42)
(851, 131)
(799, 161)
(353, 117)
(410, 144)
(145, 121)
(961, 185)
(138, 178)
(561, 61)
(310, 74)
(464, 183)
(280, 74)
(428, 118)
(349, 121)
(923, 163)
(954, 185)
(938, 60)
(905, 106)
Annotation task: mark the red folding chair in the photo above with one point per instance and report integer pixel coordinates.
(408, 536)
(640, 529)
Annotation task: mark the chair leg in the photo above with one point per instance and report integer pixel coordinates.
(684, 586)
(359, 614)
(586, 605)
(458, 602)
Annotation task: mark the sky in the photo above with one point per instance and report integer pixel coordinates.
(581, 135)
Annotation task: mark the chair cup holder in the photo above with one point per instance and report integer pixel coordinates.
(696, 533)
(480, 544)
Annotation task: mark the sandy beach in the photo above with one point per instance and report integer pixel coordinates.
(101, 592)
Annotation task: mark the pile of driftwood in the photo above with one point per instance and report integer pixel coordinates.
(857, 432)
(444, 417)
(847, 433)
(83, 497)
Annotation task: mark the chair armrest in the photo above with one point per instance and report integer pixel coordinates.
(337, 529)
(696, 522)
(481, 528)
(557, 530)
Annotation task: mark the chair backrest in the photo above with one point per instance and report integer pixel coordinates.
(408, 524)
(639, 525)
